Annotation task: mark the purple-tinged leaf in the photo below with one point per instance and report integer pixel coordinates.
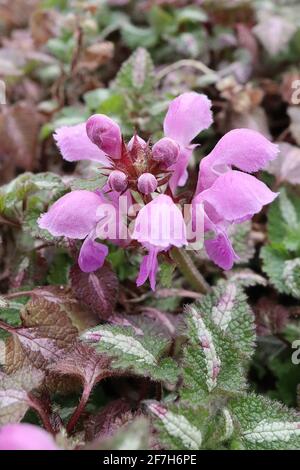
(84, 363)
(51, 321)
(97, 291)
(15, 393)
(111, 417)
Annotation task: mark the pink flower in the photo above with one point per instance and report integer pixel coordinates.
(25, 437)
(76, 215)
(158, 226)
(187, 116)
(75, 145)
(231, 196)
(225, 194)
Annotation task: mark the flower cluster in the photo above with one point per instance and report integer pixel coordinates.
(140, 171)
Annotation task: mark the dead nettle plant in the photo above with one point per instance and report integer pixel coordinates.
(166, 381)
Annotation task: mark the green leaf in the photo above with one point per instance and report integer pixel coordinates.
(62, 48)
(246, 277)
(59, 269)
(284, 221)
(10, 313)
(136, 75)
(94, 98)
(291, 276)
(266, 424)
(88, 184)
(134, 36)
(133, 436)
(162, 21)
(212, 364)
(221, 338)
(283, 273)
(141, 355)
(113, 106)
(240, 236)
(24, 198)
(166, 274)
(191, 15)
(228, 309)
(287, 378)
(178, 426)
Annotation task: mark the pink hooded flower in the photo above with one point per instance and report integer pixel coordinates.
(188, 115)
(75, 145)
(231, 196)
(158, 226)
(25, 437)
(226, 194)
(77, 215)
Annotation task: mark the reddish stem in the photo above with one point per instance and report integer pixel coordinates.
(80, 408)
(37, 406)
(6, 326)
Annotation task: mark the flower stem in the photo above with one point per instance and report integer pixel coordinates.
(189, 270)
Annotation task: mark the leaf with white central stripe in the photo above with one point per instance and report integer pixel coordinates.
(212, 361)
(176, 427)
(127, 345)
(141, 354)
(270, 431)
(222, 312)
(266, 424)
(228, 308)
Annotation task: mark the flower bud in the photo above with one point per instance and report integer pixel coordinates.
(166, 152)
(106, 134)
(117, 180)
(147, 183)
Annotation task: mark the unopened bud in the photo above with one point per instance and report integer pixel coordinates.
(147, 183)
(166, 152)
(106, 134)
(117, 180)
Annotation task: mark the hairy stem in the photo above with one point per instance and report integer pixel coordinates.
(37, 406)
(15, 295)
(189, 270)
(80, 408)
(6, 326)
(187, 63)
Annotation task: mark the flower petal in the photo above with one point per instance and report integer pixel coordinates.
(180, 174)
(188, 114)
(74, 215)
(160, 224)
(148, 269)
(220, 251)
(92, 255)
(75, 145)
(23, 436)
(236, 195)
(245, 149)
